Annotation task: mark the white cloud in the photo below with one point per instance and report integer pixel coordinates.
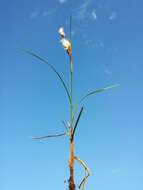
(93, 14)
(62, 1)
(37, 14)
(85, 11)
(113, 16)
(81, 11)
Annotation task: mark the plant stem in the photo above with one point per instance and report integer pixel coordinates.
(71, 160)
(71, 165)
(71, 91)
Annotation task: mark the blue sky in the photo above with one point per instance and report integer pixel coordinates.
(107, 49)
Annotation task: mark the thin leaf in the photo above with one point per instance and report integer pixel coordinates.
(83, 164)
(97, 91)
(67, 127)
(53, 69)
(48, 136)
(78, 118)
(82, 184)
(83, 181)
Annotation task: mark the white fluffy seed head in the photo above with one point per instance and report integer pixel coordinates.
(61, 32)
(66, 44)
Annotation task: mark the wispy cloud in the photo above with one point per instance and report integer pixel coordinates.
(92, 43)
(93, 14)
(48, 12)
(45, 13)
(109, 72)
(34, 14)
(81, 11)
(115, 170)
(113, 15)
(85, 12)
(100, 44)
(37, 14)
(62, 1)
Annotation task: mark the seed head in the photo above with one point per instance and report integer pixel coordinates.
(67, 45)
(61, 32)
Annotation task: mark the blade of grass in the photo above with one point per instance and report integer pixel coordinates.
(67, 128)
(48, 136)
(97, 91)
(82, 184)
(53, 69)
(78, 118)
(65, 125)
(83, 181)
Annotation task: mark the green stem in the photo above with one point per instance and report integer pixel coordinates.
(71, 92)
(71, 160)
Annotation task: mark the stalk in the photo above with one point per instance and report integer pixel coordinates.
(71, 91)
(71, 159)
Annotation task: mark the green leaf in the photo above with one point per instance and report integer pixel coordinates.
(97, 91)
(78, 118)
(53, 69)
(48, 136)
